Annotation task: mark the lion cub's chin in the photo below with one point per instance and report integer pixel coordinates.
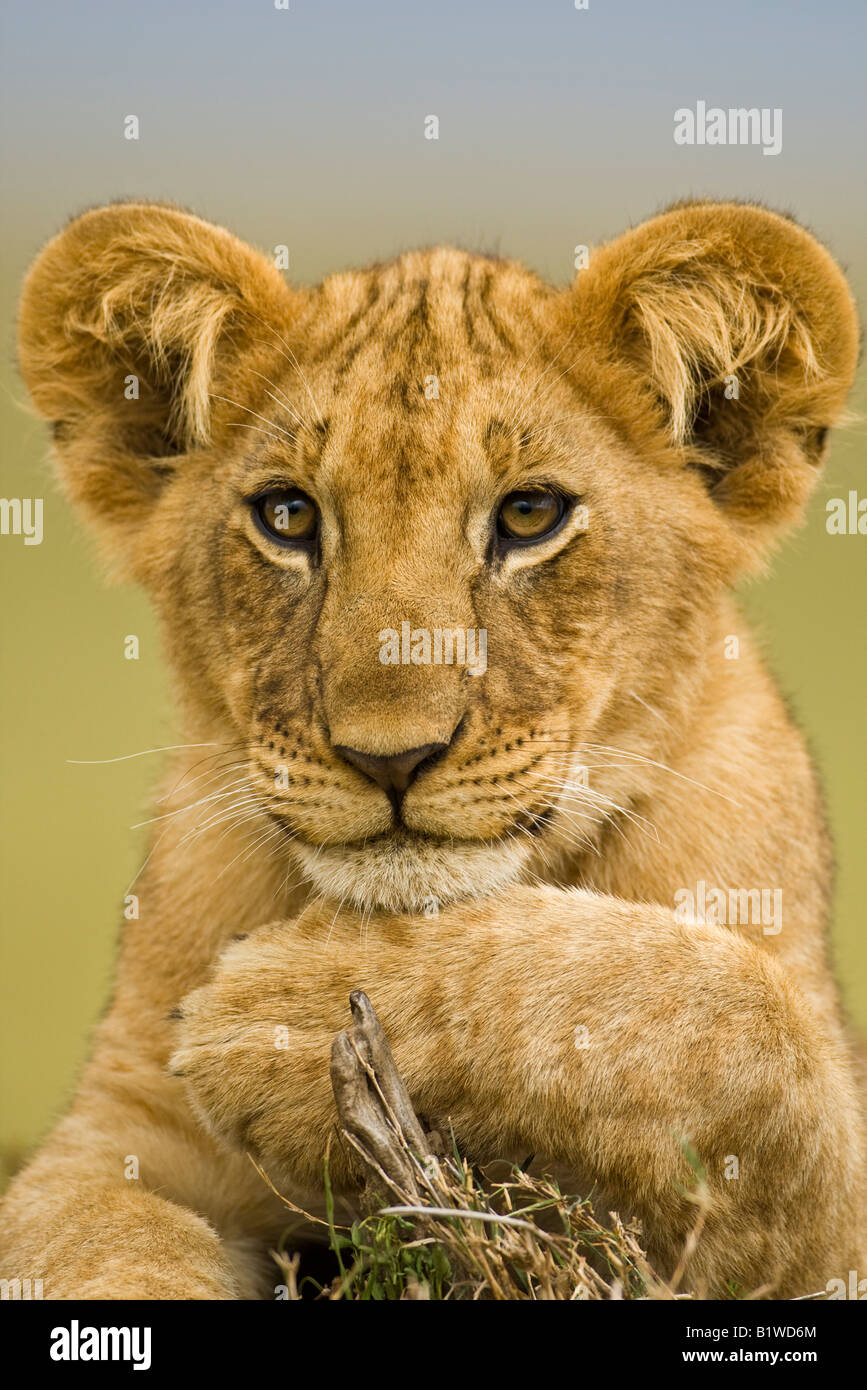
(409, 874)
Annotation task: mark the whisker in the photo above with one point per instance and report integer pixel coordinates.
(650, 709)
(334, 918)
(639, 757)
(182, 810)
(238, 425)
(221, 817)
(279, 399)
(211, 758)
(532, 391)
(260, 843)
(265, 421)
(290, 357)
(125, 757)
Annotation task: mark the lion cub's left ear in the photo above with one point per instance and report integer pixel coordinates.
(740, 330)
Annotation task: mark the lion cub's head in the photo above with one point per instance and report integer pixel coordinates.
(432, 538)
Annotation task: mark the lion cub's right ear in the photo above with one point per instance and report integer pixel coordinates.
(132, 321)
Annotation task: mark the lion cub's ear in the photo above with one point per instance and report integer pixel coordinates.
(131, 321)
(742, 335)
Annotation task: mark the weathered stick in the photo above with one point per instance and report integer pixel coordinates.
(373, 1106)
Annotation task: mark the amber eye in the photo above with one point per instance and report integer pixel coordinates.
(530, 515)
(286, 514)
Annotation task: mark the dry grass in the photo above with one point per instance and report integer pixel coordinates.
(470, 1233)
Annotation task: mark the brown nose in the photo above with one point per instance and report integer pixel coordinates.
(394, 773)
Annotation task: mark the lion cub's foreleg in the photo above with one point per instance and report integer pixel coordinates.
(74, 1221)
(650, 1057)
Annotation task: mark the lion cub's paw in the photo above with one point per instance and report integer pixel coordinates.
(254, 1058)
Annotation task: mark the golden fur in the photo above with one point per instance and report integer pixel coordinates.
(606, 651)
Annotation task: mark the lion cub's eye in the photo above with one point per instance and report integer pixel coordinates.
(530, 515)
(286, 514)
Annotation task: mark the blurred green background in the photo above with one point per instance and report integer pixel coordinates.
(306, 128)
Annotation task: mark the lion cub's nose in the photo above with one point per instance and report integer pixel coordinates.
(393, 773)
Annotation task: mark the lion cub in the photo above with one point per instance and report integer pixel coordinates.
(585, 881)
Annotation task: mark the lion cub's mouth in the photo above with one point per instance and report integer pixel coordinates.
(394, 840)
(399, 835)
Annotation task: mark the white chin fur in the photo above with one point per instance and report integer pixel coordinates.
(408, 876)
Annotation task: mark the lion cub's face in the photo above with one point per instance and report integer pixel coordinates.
(427, 571)
(437, 548)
